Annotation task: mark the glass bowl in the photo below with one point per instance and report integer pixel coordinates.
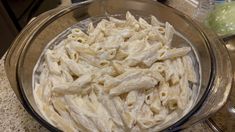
(211, 58)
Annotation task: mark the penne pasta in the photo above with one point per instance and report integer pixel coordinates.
(115, 76)
(133, 84)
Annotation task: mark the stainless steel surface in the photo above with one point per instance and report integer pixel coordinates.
(215, 64)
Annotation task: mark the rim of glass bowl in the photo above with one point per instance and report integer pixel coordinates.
(66, 10)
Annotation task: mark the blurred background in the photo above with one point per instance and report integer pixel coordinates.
(15, 14)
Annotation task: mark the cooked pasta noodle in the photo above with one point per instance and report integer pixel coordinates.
(122, 75)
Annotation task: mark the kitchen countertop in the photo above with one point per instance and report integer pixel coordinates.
(13, 117)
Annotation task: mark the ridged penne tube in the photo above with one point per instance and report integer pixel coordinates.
(118, 67)
(158, 66)
(174, 53)
(156, 105)
(133, 84)
(131, 98)
(121, 55)
(144, 24)
(145, 118)
(80, 115)
(128, 118)
(163, 91)
(73, 66)
(52, 62)
(155, 22)
(132, 21)
(90, 28)
(57, 119)
(156, 34)
(109, 105)
(169, 33)
(61, 107)
(75, 87)
(147, 56)
(138, 104)
(66, 76)
(82, 48)
(189, 71)
(118, 22)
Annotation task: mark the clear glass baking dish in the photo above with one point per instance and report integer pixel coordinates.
(211, 57)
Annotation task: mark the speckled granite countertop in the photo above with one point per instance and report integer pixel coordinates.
(13, 117)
